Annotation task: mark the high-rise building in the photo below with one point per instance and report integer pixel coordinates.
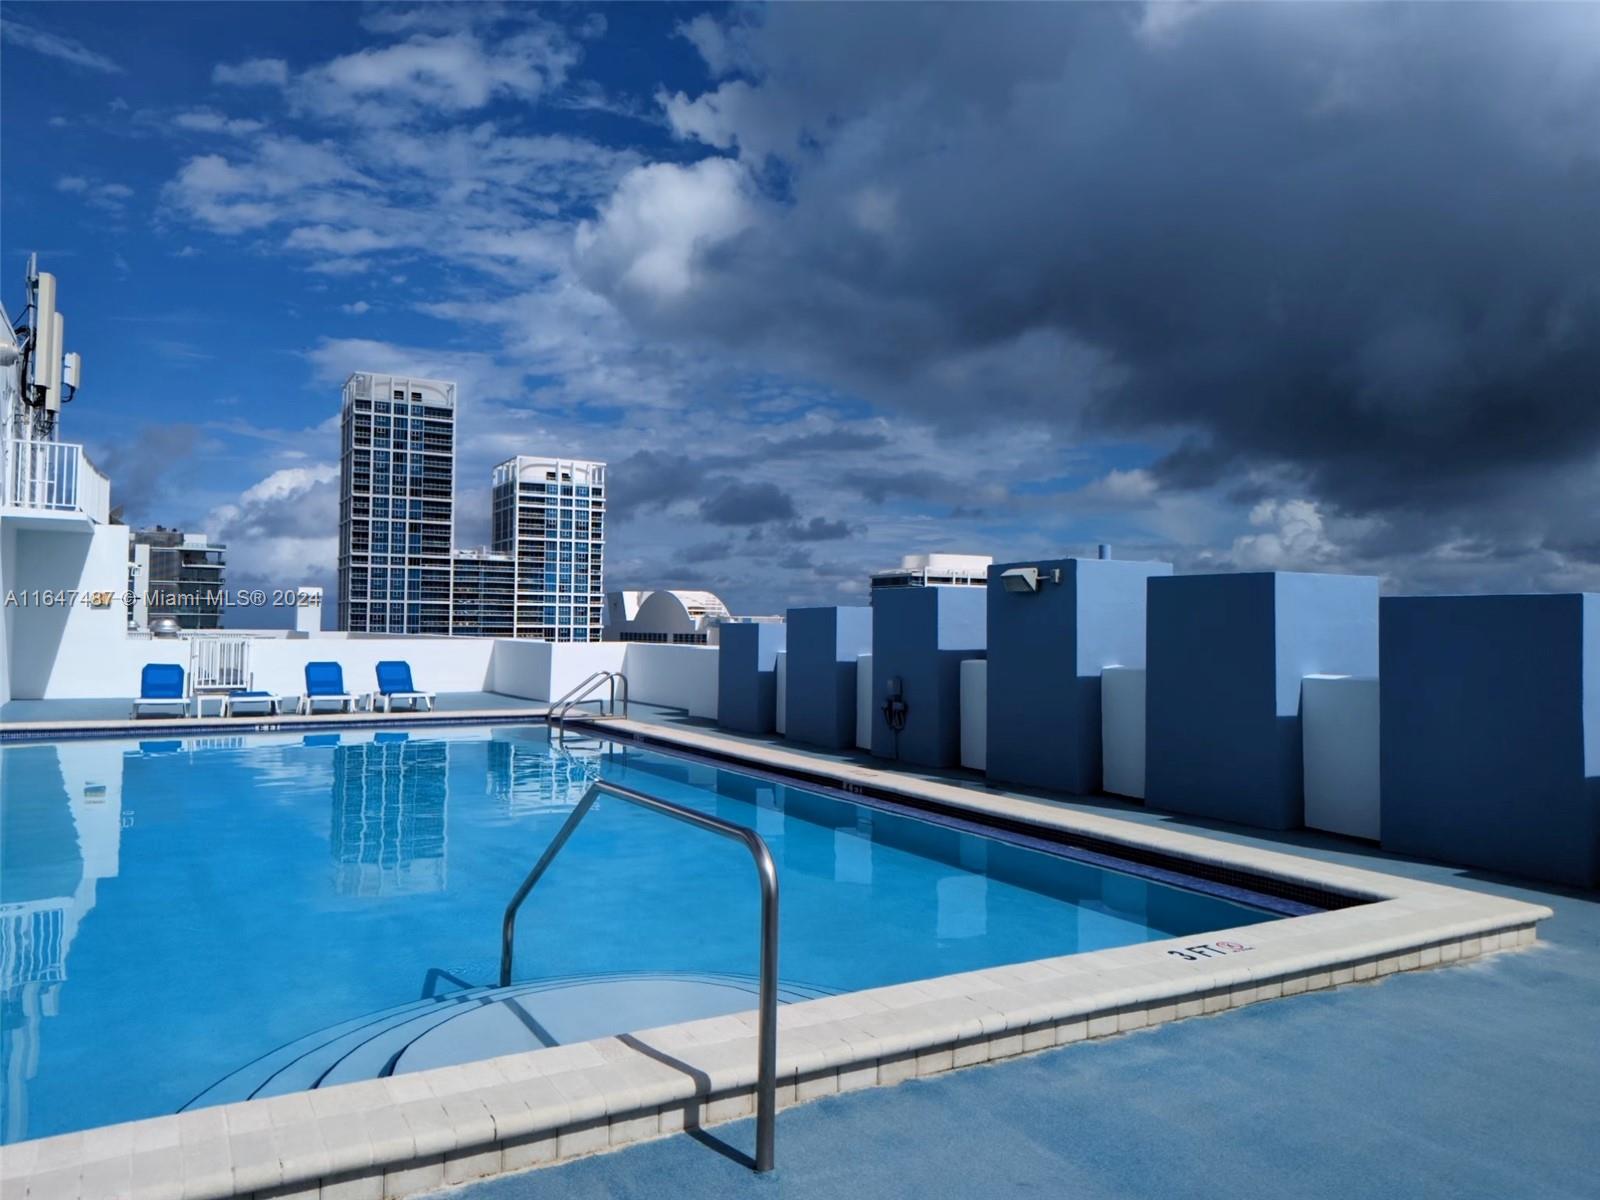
(178, 575)
(483, 594)
(550, 514)
(396, 504)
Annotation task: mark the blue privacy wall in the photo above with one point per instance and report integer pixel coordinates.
(1225, 655)
(1490, 719)
(747, 679)
(919, 636)
(820, 674)
(1046, 652)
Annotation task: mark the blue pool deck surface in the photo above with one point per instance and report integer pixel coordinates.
(1471, 1081)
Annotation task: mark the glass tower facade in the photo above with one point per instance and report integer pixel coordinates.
(483, 600)
(396, 504)
(549, 513)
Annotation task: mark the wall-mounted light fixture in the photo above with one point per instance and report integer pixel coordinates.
(1027, 579)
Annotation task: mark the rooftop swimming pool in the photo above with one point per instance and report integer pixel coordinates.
(200, 920)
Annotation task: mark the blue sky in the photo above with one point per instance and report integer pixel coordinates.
(828, 285)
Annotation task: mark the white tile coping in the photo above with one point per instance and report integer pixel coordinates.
(267, 723)
(413, 1133)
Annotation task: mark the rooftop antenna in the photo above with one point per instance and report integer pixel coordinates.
(50, 377)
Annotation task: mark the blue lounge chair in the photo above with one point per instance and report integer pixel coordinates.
(161, 687)
(233, 702)
(394, 683)
(324, 682)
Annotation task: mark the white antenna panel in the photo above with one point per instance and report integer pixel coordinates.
(52, 400)
(44, 327)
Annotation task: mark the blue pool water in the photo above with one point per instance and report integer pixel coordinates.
(171, 911)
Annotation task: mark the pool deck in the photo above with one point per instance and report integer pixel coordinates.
(1435, 1082)
(1475, 1082)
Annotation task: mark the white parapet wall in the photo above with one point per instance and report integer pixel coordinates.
(781, 671)
(974, 713)
(437, 664)
(64, 642)
(677, 676)
(1122, 731)
(1339, 732)
(864, 702)
(548, 670)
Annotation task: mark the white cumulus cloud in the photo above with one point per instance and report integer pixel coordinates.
(253, 72)
(661, 219)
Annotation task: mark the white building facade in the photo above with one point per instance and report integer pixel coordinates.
(549, 514)
(678, 618)
(936, 570)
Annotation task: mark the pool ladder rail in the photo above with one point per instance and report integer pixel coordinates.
(558, 712)
(766, 873)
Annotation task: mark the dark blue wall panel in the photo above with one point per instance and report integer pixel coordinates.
(1225, 656)
(1046, 650)
(919, 636)
(1490, 752)
(820, 674)
(747, 680)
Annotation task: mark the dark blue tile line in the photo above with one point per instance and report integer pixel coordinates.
(1236, 887)
(249, 725)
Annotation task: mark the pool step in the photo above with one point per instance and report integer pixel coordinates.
(484, 1022)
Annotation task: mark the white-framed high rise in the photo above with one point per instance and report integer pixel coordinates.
(550, 514)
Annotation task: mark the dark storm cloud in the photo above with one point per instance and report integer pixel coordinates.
(815, 530)
(703, 552)
(644, 480)
(831, 441)
(1357, 245)
(149, 468)
(748, 504)
(883, 486)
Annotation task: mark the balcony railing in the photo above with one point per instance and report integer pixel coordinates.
(55, 477)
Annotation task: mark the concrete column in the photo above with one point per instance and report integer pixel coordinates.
(1046, 650)
(747, 676)
(1122, 731)
(974, 713)
(1339, 731)
(920, 635)
(1490, 718)
(821, 650)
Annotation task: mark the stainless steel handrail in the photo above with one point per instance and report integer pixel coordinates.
(557, 714)
(567, 696)
(767, 1037)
